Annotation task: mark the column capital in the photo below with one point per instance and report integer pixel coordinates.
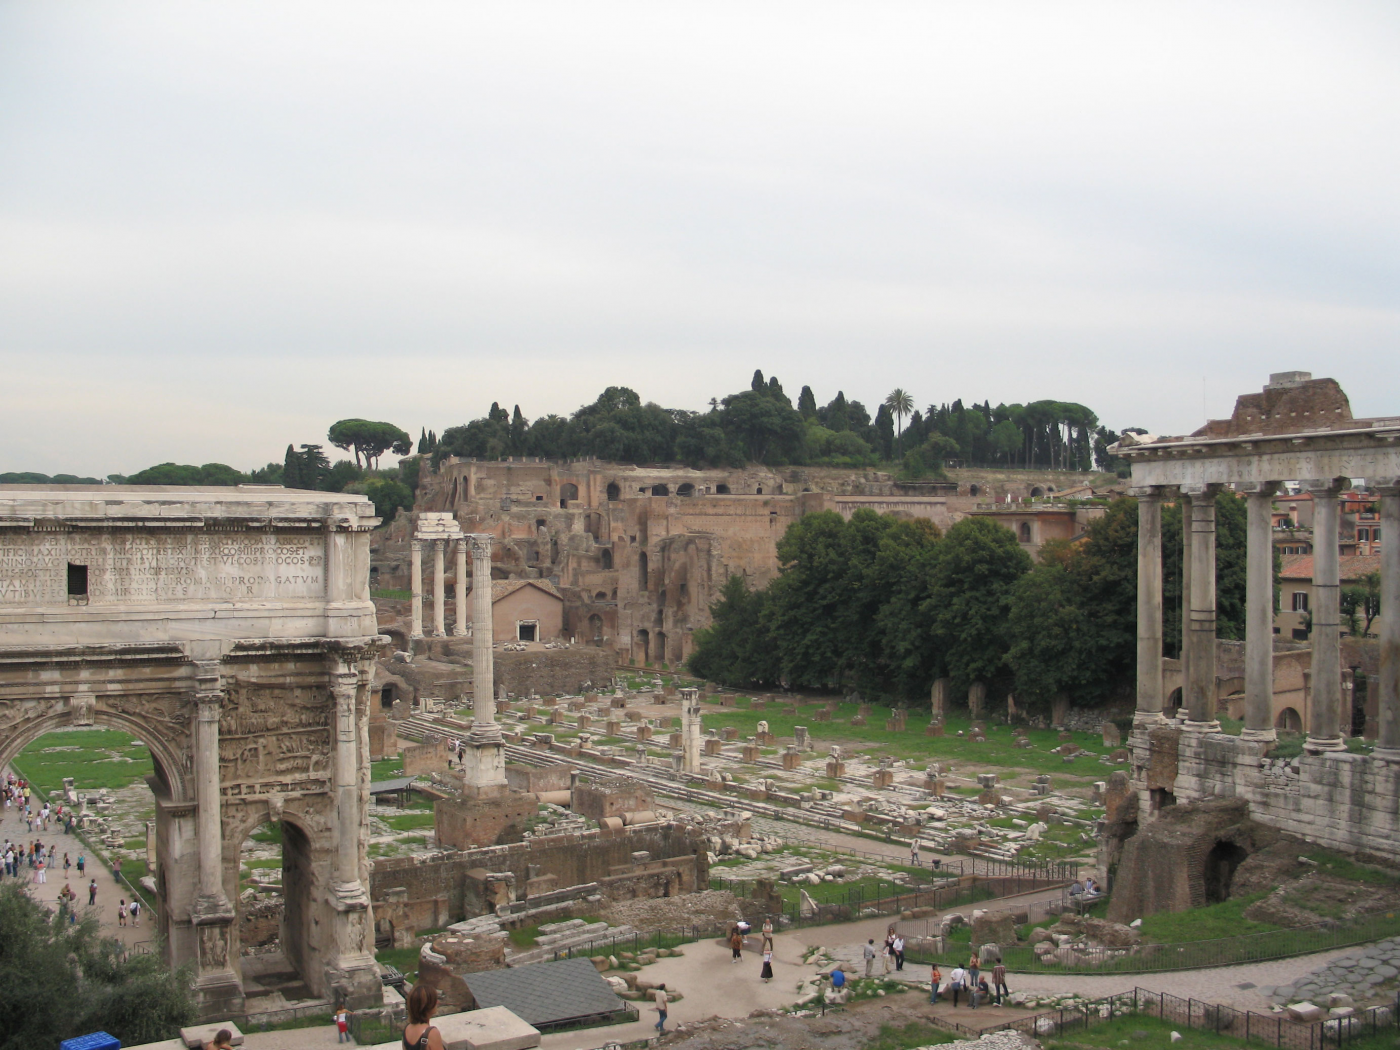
(1387, 486)
(1258, 488)
(415, 544)
(1197, 489)
(480, 544)
(1142, 492)
(439, 545)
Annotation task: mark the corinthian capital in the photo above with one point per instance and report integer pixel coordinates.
(481, 545)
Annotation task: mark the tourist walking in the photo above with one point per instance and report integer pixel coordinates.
(419, 1034)
(660, 999)
(974, 976)
(92, 892)
(999, 981)
(121, 912)
(81, 862)
(135, 908)
(768, 935)
(116, 869)
(914, 854)
(898, 948)
(934, 978)
(736, 944)
(342, 1026)
(766, 974)
(39, 870)
(869, 953)
(66, 865)
(887, 951)
(955, 983)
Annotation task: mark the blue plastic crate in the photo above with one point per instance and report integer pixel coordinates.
(92, 1041)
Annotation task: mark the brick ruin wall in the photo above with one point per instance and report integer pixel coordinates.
(600, 856)
(553, 672)
(1346, 802)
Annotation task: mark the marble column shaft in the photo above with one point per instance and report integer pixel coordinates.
(1149, 609)
(439, 590)
(1259, 617)
(459, 590)
(483, 662)
(415, 581)
(209, 817)
(1388, 736)
(1324, 722)
(1185, 505)
(344, 686)
(1200, 685)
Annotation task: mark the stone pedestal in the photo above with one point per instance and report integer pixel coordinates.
(791, 760)
(712, 747)
(883, 778)
(834, 769)
(644, 732)
(749, 752)
(676, 741)
(729, 734)
(935, 728)
(613, 727)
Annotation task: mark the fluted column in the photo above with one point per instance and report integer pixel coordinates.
(1259, 616)
(1200, 682)
(1185, 657)
(208, 702)
(1324, 724)
(439, 590)
(1149, 609)
(415, 580)
(459, 590)
(344, 683)
(1388, 709)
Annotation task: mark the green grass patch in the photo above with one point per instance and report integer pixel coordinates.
(402, 596)
(1341, 867)
(94, 758)
(313, 1021)
(386, 769)
(269, 834)
(909, 1036)
(409, 821)
(1109, 1034)
(1225, 919)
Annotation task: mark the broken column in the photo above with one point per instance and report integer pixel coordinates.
(690, 729)
(483, 763)
(791, 759)
(835, 768)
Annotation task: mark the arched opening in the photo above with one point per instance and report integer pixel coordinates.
(1037, 492)
(554, 551)
(614, 492)
(758, 491)
(642, 570)
(607, 557)
(386, 697)
(601, 596)
(1173, 703)
(661, 596)
(686, 489)
(1025, 532)
(613, 596)
(974, 490)
(642, 648)
(527, 631)
(660, 490)
(1290, 720)
(1049, 488)
(721, 489)
(272, 883)
(567, 491)
(661, 646)
(1221, 862)
(595, 629)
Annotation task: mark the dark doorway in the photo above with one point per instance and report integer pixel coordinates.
(660, 490)
(595, 628)
(721, 489)
(686, 489)
(1221, 863)
(386, 697)
(642, 570)
(614, 492)
(525, 632)
(644, 644)
(1160, 799)
(607, 558)
(567, 491)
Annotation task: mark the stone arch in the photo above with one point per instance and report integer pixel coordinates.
(399, 637)
(1173, 699)
(1290, 720)
(721, 489)
(1025, 532)
(974, 490)
(661, 647)
(173, 765)
(614, 492)
(607, 558)
(685, 489)
(758, 491)
(1037, 492)
(660, 490)
(601, 596)
(595, 629)
(567, 491)
(644, 644)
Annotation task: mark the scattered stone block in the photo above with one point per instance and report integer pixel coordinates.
(1304, 1012)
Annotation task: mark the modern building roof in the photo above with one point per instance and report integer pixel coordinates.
(1354, 567)
(546, 994)
(500, 588)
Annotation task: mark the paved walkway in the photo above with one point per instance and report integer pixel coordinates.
(109, 891)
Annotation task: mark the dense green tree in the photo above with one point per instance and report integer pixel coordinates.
(60, 980)
(884, 433)
(188, 474)
(901, 403)
(736, 649)
(807, 403)
(27, 477)
(769, 430)
(369, 439)
(387, 494)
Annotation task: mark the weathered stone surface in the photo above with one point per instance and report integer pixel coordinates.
(990, 927)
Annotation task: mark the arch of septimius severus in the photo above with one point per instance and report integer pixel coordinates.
(231, 630)
(1297, 430)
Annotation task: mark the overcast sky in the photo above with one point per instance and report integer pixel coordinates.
(225, 226)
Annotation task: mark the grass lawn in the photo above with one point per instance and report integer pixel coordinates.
(405, 960)
(410, 821)
(94, 758)
(386, 769)
(1340, 867)
(907, 1037)
(1110, 1034)
(1199, 924)
(966, 756)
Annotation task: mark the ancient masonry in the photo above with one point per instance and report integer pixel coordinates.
(1297, 429)
(230, 629)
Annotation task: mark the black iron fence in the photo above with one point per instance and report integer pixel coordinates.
(1271, 1029)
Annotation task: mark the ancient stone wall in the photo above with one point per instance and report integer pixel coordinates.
(552, 672)
(573, 860)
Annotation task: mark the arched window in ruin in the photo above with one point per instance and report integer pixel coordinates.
(643, 647)
(758, 491)
(1037, 492)
(1221, 862)
(642, 570)
(661, 597)
(660, 647)
(567, 491)
(1025, 532)
(386, 696)
(554, 551)
(614, 492)
(1174, 700)
(974, 490)
(721, 489)
(601, 596)
(687, 489)
(660, 490)
(1290, 720)
(595, 629)
(614, 595)
(607, 557)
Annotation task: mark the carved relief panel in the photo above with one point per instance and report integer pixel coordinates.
(275, 738)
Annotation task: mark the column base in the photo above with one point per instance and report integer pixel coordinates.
(1148, 719)
(417, 636)
(1189, 726)
(459, 632)
(1387, 754)
(349, 896)
(439, 634)
(1267, 736)
(353, 980)
(1317, 745)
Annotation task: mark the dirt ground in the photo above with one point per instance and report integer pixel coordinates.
(670, 913)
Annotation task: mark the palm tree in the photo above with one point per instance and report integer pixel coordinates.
(901, 404)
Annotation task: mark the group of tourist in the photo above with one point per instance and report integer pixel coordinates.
(891, 953)
(969, 980)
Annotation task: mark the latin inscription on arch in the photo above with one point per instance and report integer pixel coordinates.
(139, 567)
